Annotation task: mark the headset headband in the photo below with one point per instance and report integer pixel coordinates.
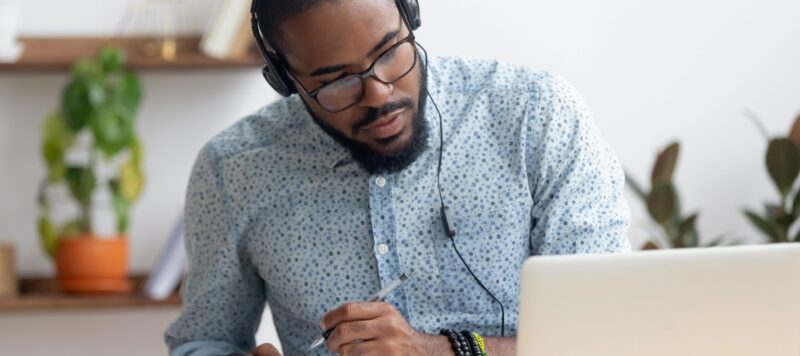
(274, 71)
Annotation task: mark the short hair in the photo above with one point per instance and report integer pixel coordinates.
(273, 13)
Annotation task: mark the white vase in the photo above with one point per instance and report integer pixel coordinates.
(10, 18)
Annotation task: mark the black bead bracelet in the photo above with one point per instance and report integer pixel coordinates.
(461, 345)
(473, 343)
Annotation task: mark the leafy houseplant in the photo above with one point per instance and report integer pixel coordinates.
(96, 118)
(663, 204)
(783, 165)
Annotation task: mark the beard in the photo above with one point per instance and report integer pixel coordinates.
(377, 162)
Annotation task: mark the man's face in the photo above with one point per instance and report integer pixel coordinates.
(345, 37)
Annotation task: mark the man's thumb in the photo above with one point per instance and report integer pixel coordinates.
(266, 350)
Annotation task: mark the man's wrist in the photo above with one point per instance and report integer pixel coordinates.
(436, 345)
(501, 346)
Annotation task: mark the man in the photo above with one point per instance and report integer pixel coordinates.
(315, 202)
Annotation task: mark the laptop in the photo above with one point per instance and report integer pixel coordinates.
(726, 301)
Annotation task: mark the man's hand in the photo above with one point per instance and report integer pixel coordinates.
(377, 328)
(265, 350)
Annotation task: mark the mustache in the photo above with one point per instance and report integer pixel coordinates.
(373, 114)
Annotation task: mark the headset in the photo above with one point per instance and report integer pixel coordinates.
(275, 73)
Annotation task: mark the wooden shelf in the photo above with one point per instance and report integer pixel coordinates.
(41, 294)
(58, 54)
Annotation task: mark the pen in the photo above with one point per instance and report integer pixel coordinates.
(376, 297)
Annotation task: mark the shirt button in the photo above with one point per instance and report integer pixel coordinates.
(383, 249)
(380, 182)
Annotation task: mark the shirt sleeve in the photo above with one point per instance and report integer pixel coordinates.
(576, 180)
(223, 293)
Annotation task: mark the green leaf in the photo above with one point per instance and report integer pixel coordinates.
(665, 165)
(794, 133)
(687, 232)
(81, 98)
(57, 139)
(111, 58)
(661, 203)
(797, 237)
(81, 182)
(131, 180)
(53, 152)
(121, 211)
(765, 227)
(796, 204)
(114, 185)
(773, 212)
(635, 187)
(113, 129)
(41, 198)
(783, 163)
(136, 151)
(691, 240)
(54, 157)
(128, 92)
(675, 219)
(55, 128)
(86, 69)
(785, 220)
(47, 235)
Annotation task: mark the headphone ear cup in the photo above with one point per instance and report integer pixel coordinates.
(277, 78)
(276, 84)
(274, 72)
(411, 10)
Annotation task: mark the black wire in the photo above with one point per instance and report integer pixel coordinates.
(441, 129)
(441, 199)
(502, 310)
(441, 147)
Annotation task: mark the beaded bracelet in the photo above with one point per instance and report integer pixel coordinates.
(458, 342)
(473, 342)
(481, 344)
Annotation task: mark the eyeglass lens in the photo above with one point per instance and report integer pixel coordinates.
(388, 68)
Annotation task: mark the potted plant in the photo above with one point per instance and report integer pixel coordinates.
(663, 205)
(783, 165)
(95, 123)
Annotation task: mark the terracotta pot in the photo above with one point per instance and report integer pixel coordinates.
(86, 264)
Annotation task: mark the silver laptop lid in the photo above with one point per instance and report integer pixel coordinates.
(729, 301)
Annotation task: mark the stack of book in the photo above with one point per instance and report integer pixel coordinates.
(228, 33)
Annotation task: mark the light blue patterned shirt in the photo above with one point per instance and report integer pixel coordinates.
(277, 212)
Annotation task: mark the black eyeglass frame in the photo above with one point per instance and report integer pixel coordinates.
(370, 72)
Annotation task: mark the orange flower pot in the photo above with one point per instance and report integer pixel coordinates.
(86, 264)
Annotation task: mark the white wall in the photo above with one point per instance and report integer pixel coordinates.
(650, 72)
(654, 71)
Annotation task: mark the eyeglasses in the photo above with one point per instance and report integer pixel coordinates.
(390, 66)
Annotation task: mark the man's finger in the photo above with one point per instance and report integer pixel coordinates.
(348, 332)
(266, 350)
(360, 348)
(353, 312)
